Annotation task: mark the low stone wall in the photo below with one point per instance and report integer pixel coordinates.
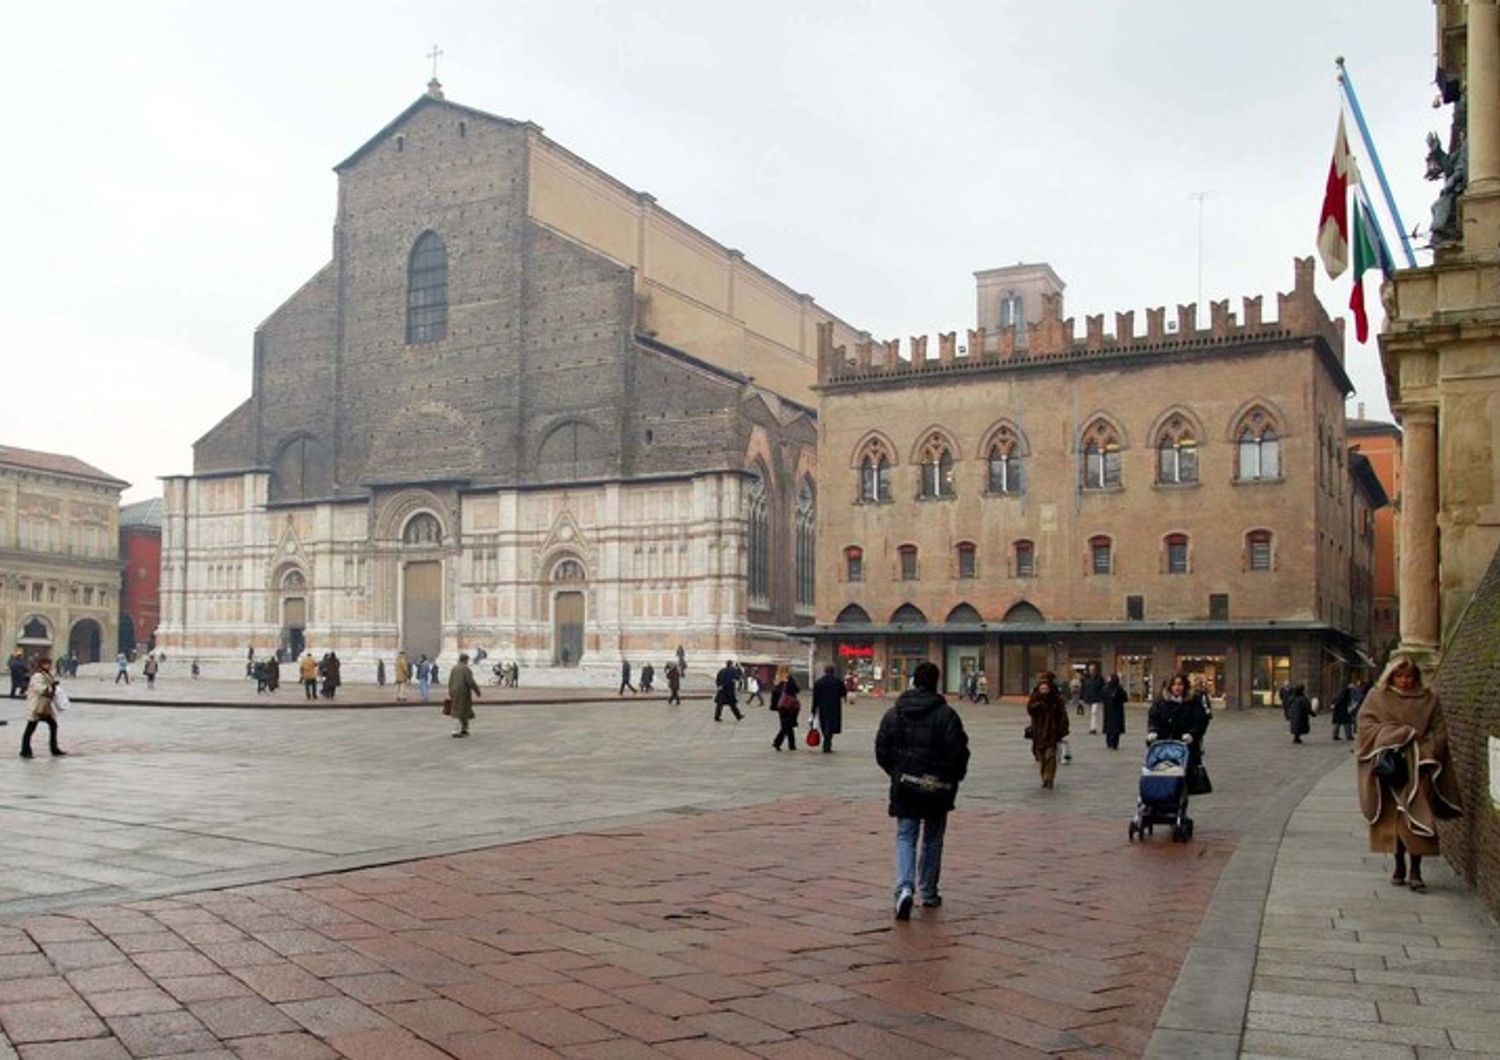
(1469, 687)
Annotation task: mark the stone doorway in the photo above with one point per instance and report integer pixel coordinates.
(567, 639)
(422, 609)
(294, 626)
(86, 641)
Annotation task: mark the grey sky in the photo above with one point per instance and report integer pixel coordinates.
(167, 173)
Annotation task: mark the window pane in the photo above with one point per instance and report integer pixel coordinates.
(1177, 558)
(966, 561)
(1101, 558)
(1111, 468)
(997, 473)
(1270, 457)
(945, 474)
(1024, 561)
(908, 564)
(1260, 554)
(866, 480)
(1093, 476)
(1187, 464)
(1249, 459)
(1166, 464)
(1015, 475)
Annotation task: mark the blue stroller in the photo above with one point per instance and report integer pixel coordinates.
(1164, 792)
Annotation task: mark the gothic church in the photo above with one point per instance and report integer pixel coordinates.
(522, 408)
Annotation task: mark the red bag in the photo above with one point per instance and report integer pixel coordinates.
(814, 737)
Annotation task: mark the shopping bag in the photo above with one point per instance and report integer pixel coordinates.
(814, 737)
(60, 700)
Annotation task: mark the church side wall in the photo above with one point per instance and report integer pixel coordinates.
(294, 381)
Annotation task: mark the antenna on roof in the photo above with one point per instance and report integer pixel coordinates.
(1201, 196)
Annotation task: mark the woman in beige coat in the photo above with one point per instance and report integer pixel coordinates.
(1406, 779)
(403, 676)
(40, 708)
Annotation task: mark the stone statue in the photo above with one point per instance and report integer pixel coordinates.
(1450, 164)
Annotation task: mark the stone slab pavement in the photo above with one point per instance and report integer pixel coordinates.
(555, 871)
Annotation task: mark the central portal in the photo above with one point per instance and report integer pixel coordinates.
(568, 614)
(422, 609)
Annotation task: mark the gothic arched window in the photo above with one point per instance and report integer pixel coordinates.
(1101, 457)
(758, 515)
(1005, 473)
(1176, 453)
(1259, 446)
(806, 542)
(874, 473)
(427, 290)
(936, 463)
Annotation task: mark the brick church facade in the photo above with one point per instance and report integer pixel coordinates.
(522, 408)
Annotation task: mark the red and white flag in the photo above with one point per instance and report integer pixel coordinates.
(1333, 222)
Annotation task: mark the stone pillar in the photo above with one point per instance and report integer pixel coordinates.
(1483, 92)
(1420, 607)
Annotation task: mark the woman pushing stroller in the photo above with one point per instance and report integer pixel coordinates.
(1179, 714)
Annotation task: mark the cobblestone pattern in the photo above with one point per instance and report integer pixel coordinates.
(742, 933)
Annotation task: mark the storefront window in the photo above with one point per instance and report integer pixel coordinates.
(1020, 665)
(904, 657)
(1135, 675)
(960, 661)
(1269, 670)
(857, 660)
(1210, 666)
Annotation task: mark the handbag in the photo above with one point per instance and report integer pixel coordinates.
(1198, 782)
(448, 706)
(1390, 768)
(814, 737)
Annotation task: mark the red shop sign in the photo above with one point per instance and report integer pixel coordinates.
(856, 651)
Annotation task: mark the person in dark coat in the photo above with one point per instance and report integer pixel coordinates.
(828, 706)
(273, 674)
(1092, 691)
(463, 690)
(20, 674)
(1344, 706)
(648, 676)
(922, 746)
(1049, 725)
(787, 706)
(331, 675)
(625, 678)
(727, 683)
(1114, 712)
(1299, 713)
(674, 684)
(1178, 714)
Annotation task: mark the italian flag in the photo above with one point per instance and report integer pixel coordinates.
(1333, 221)
(1369, 252)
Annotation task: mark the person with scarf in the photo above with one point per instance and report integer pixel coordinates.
(1406, 778)
(1049, 726)
(41, 695)
(1179, 714)
(787, 706)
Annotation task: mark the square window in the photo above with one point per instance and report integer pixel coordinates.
(1218, 607)
(1025, 560)
(1100, 556)
(1135, 608)
(908, 564)
(1177, 557)
(966, 561)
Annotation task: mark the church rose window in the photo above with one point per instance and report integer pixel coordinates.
(427, 290)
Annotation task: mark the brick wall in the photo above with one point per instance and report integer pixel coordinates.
(1470, 696)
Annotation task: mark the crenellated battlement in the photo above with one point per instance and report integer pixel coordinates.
(1053, 339)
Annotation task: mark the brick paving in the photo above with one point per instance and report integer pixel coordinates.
(753, 932)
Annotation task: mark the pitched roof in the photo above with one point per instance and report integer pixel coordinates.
(1358, 426)
(55, 463)
(145, 513)
(421, 102)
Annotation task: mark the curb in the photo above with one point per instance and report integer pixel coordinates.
(323, 704)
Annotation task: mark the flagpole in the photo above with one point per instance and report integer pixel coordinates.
(1347, 84)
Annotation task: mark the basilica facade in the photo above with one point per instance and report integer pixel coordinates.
(522, 408)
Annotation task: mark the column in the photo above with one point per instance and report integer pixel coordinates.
(1420, 611)
(1483, 91)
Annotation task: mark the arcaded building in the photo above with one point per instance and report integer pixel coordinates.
(59, 555)
(1029, 499)
(523, 407)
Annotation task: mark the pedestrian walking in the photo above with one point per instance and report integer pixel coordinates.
(258, 671)
(20, 674)
(307, 671)
(424, 675)
(681, 660)
(436, 679)
(149, 669)
(463, 690)
(787, 705)
(1092, 691)
(41, 708)
(674, 684)
(922, 746)
(1298, 711)
(828, 697)
(1406, 779)
(981, 688)
(122, 668)
(195, 670)
(648, 675)
(1048, 727)
(752, 688)
(403, 676)
(1114, 712)
(332, 675)
(380, 672)
(726, 684)
(1344, 706)
(1179, 714)
(625, 678)
(273, 673)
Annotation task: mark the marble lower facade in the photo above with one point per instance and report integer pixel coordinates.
(562, 576)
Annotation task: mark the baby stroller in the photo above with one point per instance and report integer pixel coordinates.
(1164, 792)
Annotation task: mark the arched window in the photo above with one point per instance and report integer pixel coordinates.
(1176, 453)
(422, 529)
(909, 615)
(1005, 472)
(1013, 314)
(758, 515)
(427, 290)
(806, 545)
(1258, 555)
(1101, 555)
(936, 463)
(854, 564)
(1259, 446)
(569, 570)
(968, 560)
(853, 615)
(1101, 457)
(1025, 559)
(874, 473)
(907, 557)
(1177, 553)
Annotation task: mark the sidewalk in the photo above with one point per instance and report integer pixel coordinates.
(1350, 966)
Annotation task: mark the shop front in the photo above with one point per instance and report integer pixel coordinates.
(903, 656)
(1022, 662)
(856, 660)
(962, 658)
(1270, 669)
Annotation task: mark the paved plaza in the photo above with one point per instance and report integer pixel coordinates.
(624, 878)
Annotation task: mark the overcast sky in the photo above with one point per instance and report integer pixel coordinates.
(166, 176)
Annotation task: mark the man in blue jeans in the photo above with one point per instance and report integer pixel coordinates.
(923, 748)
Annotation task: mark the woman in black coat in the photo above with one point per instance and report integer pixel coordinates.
(1178, 714)
(1299, 713)
(1114, 712)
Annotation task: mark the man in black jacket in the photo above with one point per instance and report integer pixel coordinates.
(828, 706)
(923, 748)
(726, 683)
